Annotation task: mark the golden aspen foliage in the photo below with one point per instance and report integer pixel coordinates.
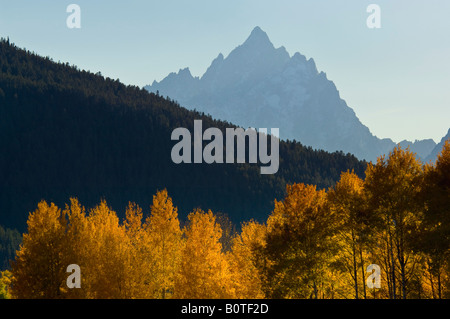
(108, 253)
(315, 243)
(443, 182)
(38, 270)
(435, 231)
(5, 284)
(164, 243)
(443, 161)
(346, 200)
(77, 246)
(245, 260)
(138, 263)
(299, 243)
(203, 272)
(228, 231)
(392, 186)
(133, 222)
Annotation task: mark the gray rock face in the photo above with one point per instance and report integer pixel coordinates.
(437, 149)
(258, 85)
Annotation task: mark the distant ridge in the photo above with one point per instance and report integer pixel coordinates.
(67, 132)
(434, 153)
(258, 85)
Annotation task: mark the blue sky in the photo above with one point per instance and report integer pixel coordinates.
(397, 78)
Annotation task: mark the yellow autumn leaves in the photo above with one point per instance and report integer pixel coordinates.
(151, 258)
(314, 244)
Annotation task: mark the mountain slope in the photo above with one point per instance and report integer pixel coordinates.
(257, 85)
(438, 148)
(422, 148)
(67, 132)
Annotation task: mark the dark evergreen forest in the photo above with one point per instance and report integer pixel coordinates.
(66, 132)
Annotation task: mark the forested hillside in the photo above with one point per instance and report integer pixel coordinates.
(314, 244)
(86, 174)
(9, 243)
(68, 132)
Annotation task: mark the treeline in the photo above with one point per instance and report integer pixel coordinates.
(69, 132)
(10, 240)
(314, 244)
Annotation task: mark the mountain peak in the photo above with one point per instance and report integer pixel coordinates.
(257, 85)
(185, 71)
(257, 31)
(259, 37)
(438, 149)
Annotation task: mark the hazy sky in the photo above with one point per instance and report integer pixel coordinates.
(397, 78)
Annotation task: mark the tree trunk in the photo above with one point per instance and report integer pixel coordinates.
(315, 289)
(355, 272)
(431, 282)
(439, 284)
(391, 249)
(363, 273)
